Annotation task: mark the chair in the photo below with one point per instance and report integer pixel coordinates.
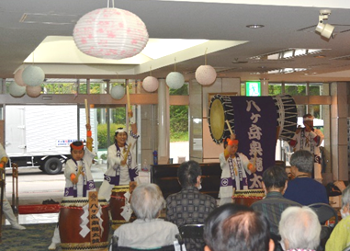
(192, 231)
(115, 247)
(324, 212)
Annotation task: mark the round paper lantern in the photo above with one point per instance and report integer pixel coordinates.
(33, 75)
(205, 75)
(150, 84)
(18, 77)
(175, 80)
(33, 91)
(117, 92)
(110, 33)
(16, 90)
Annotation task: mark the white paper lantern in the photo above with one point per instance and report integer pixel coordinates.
(110, 33)
(117, 92)
(18, 77)
(150, 84)
(205, 75)
(175, 80)
(33, 75)
(16, 90)
(33, 91)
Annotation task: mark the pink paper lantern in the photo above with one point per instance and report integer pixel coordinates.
(18, 77)
(205, 75)
(110, 33)
(150, 84)
(33, 91)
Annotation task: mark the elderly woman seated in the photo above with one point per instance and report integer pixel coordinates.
(340, 237)
(300, 229)
(147, 231)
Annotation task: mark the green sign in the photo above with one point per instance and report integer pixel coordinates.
(253, 89)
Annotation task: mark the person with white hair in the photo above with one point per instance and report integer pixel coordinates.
(300, 229)
(340, 237)
(147, 231)
(310, 139)
(122, 167)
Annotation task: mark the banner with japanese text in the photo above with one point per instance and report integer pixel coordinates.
(255, 122)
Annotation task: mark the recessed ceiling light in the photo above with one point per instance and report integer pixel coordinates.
(255, 26)
(320, 56)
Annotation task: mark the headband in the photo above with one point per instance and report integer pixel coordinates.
(121, 130)
(232, 142)
(308, 118)
(77, 147)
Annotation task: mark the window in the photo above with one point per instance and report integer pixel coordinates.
(294, 89)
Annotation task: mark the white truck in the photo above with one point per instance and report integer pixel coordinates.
(40, 135)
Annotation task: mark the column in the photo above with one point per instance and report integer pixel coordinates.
(163, 123)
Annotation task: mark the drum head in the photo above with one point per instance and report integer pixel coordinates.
(220, 111)
(217, 119)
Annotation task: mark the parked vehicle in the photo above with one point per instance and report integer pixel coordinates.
(40, 135)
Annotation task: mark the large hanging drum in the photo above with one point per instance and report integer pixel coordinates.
(287, 116)
(220, 110)
(74, 213)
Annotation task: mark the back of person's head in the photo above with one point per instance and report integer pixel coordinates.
(77, 145)
(147, 201)
(275, 177)
(303, 160)
(234, 227)
(346, 197)
(299, 228)
(188, 172)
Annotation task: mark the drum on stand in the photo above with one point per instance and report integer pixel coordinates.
(220, 110)
(248, 197)
(72, 214)
(287, 116)
(116, 202)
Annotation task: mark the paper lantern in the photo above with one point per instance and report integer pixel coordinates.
(205, 75)
(33, 91)
(110, 33)
(150, 84)
(117, 92)
(18, 77)
(175, 80)
(33, 75)
(16, 90)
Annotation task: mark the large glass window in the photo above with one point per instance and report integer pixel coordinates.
(295, 89)
(275, 89)
(60, 86)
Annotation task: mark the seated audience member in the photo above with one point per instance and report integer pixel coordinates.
(189, 205)
(147, 231)
(340, 237)
(233, 227)
(300, 229)
(303, 189)
(274, 183)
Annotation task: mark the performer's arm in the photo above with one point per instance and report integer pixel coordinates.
(318, 136)
(112, 159)
(293, 141)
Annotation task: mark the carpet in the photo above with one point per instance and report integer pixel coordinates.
(37, 237)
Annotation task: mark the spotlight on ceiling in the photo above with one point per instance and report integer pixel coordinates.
(325, 30)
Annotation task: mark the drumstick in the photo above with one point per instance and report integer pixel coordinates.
(229, 127)
(127, 152)
(128, 99)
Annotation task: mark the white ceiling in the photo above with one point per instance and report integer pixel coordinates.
(24, 24)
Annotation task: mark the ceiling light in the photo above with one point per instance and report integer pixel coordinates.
(326, 30)
(255, 26)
